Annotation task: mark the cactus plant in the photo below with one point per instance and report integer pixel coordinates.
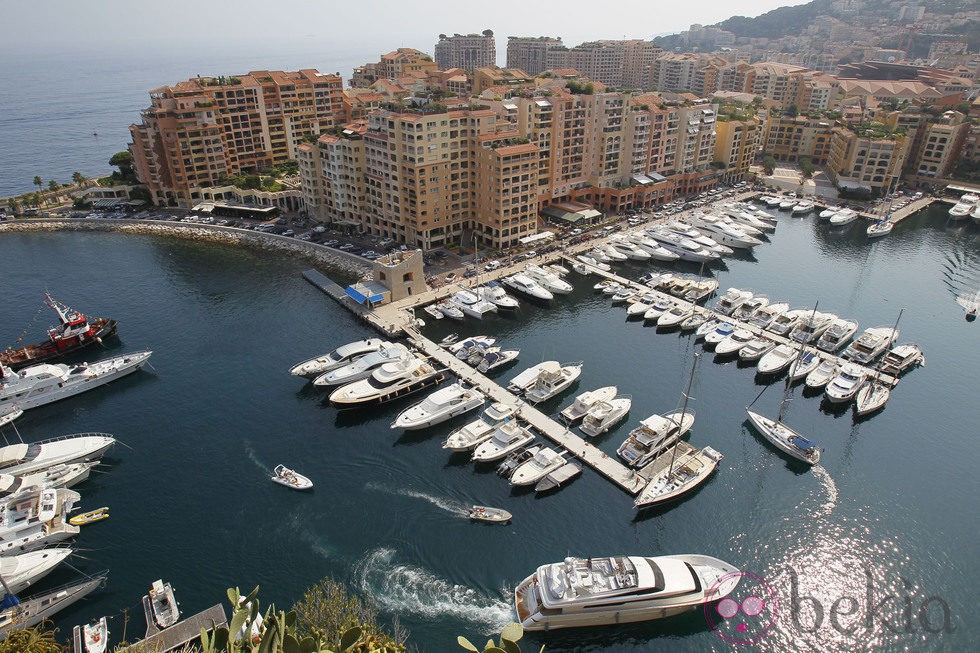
(509, 636)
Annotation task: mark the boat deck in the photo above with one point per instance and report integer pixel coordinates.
(180, 634)
(890, 381)
(662, 462)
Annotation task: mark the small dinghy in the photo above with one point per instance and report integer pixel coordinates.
(96, 635)
(488, 514)
(163, 604)
(291, 479)
(90, 517)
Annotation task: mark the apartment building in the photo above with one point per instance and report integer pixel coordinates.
(332, 175)
(468, 51)
(485, 77)
(779, 82)
(393, 65)
(198, 132)
(865, 157)
(674, 72)
(940, 145)
(736, 144)
(788, 138)
(530, 53)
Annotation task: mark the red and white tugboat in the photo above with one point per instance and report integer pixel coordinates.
(76, 332)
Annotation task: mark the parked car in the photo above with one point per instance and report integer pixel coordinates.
(346, 247)
(492, 265)
(469, 273)
(450, 277)
(333, 242)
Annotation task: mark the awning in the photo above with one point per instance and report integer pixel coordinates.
(360, 294)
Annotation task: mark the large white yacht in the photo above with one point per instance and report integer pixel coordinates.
(472, 434)
(707, 242)
(629, 249)
(604, 415)
(550, 281)
(785, 322)
(620, 589)
(870, 345)
(64, 475)
(734, 342)
(21, 571)
(362, 367)
(578, 408)
(390, 381)
(685, 248)
(494, 292)
(765, 316)
(506, 438)
(20, 459)
(338, 357)
(844, 216)
(811, 327)
(755, 349)
(542, 463)
(846, 385)
(653, 436)
(732, 300)
(36, 519)
(471, 304)
(38, 607)
(777, 359)
(550, 382)
(522, 283)
(726, 231)
(750, 307)
(527, 378)
(837, 335)
(656, 251)
(42, 384)
(963, 208)
(441, 405)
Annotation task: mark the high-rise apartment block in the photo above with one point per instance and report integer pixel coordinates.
(396, 64)
(736, 143)
(788, 138)
(198, 132)
(866, 158)
(531, 53)
(467, 51)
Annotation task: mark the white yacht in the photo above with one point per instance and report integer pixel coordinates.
(772, 201)
(731, 301)
(390, 381)
(600, 255)
(472, 434)
(9, 413)
(495, 357)
(462, 346)
(550, 382)
(528, 286)
(696, 321)
(21, 571)
(870, 345)
(709, 243)
(163, 604)
(726, 231)
(506, 438)
(746, 219)
(822, 374)
(640, 305)
(526, 378)
(777, 360)
(494, 293)
(844, 216)
(629, 249)
(845, 386)
(450, 310)
(688, 469)
(337, 358)
(765, 316)
(22, 459)
(785, 322)
(803, 365)
(42, 384)
(721, 332)
(734, 342)
(880, 228)
(653, 436)
(750, 307)
(550, 281)
(364, 366)
(613, 253)
(828, 212)
(578, 408)
(802, 207)
(63, 475)
(871, 397)
(787, 203)
(542, 463)
(756, 349)
(34, 520)
(38, 607)
(901, 358)
(785, 438)
(656, 251)
(811, 327)
(592, 261)
(622, 295)
(443, 404)
(675, 316)
(706, 327)
(837, 335)
(471, 304)
(620, 589)
(604, 415)
(964, 207)
(685, 248)
(657, 310)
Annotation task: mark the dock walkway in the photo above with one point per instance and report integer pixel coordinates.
(639, 287)
(180, 634)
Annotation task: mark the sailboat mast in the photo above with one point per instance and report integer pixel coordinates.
(794, 366)
(687, 394)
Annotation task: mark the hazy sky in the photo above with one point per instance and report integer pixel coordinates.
(105, 24)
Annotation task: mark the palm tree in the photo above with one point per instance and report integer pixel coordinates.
(38, 182)
(78, 177)
(53, 185)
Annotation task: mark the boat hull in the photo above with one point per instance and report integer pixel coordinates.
(45, 352)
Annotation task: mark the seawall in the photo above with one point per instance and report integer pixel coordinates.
(318, 255)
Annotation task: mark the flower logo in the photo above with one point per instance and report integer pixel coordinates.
(747, 614)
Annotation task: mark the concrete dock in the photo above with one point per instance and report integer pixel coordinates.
(180, 634)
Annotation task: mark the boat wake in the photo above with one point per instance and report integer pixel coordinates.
(961, 275)
(449, 505)
(250, 452)
(405, 589)
(827, 482)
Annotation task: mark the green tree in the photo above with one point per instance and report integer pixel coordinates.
(14, 206)
(53, 185)
(769, 163)
(38, 639)
(792, 110)
(327, 610)
(78, 177)
(38, 182)
(807, 168)
(124, 161)
(36, 199)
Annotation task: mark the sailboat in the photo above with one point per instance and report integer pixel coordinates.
(875, 394)
(686, 471)
(783, 437)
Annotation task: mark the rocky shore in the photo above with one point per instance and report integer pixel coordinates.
(330, 260)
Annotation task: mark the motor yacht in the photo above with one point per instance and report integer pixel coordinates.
(844, 216)
(515, 459)
(706, 328)
(592, 261)
(709, 243)
(811, 327)
(450, 310)
(22, 459)
(688, 469)
(822, 374)
(685, 248)
(623, 294)
(41, 384)
(550, 281)
(163, 604)
(578, 408)
(629, 249)
(390, 381)
(558, 478)
(756, 349)
(845, 386)
(828, 212)
(494, 293)
(506, 438)
(36, 519)
(750, 307)
(870, 345)
(721, 332)
(23, 570)
(474, 433)
(656, 251)
(471, 304)
(440, 406)
(802, 207)
(964, 207)
(734, 342)
(466, 344)
(581, 268)
(725, 231)
(785, 438)
(675, 316)
(620, 589)
(495, 358)
(901, 358)
(604, 415)
(528, 286)
(803, 365)
(542, 463)
(732, 300)
(339, 357)
(763, 317)
(770, 200)
(614, 254)
(600, 255)
(653, 436)
(837, 335)
(785, 323)
(362, 367)
(656, 311)
(744, 219)
(787, 203)
(777, 360)
(698, 291)
(550, 383)
(639, 305)
(63, 475)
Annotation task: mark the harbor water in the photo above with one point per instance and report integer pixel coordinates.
(890, 512)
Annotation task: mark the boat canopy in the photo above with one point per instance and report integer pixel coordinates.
(801, 443)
